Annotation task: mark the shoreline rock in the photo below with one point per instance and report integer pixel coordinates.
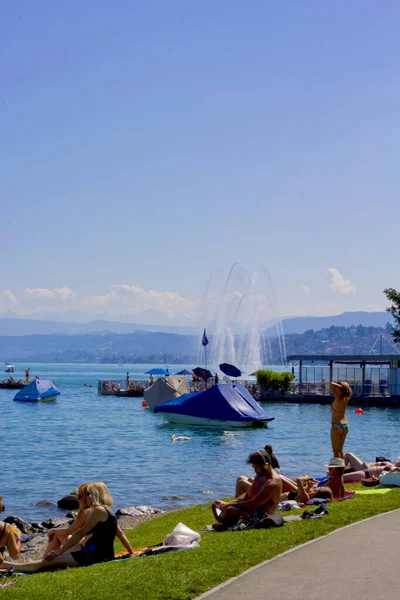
(70, 501)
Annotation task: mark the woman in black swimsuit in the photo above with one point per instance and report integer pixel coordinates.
(10, 538)
(101, 525)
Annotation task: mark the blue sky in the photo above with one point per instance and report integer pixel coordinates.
(145, 144)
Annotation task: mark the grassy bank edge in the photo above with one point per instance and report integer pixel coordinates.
(186, 575)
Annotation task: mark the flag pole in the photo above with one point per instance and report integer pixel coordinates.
(204, 342)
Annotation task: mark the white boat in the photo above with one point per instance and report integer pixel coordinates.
(222, 405)
(189, 420)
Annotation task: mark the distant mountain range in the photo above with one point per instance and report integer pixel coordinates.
(18, 327)
(172, 348)
(347, 319)
(347, 333)
(14, 326)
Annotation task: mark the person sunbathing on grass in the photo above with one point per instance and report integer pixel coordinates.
(356, 464)
(101, 525)
(10, 537)
(306, 489)
(59, 535)
(259, 501)
(372, 472)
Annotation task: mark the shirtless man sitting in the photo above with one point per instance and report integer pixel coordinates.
(260, 500)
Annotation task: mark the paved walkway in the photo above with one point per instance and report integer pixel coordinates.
(359, 562)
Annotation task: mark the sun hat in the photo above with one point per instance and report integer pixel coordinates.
(336, 463)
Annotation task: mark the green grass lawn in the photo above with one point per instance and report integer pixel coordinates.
(187, 574)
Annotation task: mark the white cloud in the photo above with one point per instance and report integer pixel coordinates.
(105, 300)
(306, 289)
(62, 293)
(337, 282)
(132, 300)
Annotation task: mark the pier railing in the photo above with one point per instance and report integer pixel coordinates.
(322, 389)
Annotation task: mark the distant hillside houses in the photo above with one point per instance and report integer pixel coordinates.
(337, 340)
(151, 347)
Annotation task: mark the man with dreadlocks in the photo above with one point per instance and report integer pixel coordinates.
(259, 502)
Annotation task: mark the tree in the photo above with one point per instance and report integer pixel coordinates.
(394, 297)
(271, 380)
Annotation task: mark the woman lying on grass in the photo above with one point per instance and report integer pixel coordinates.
(101, 525)
(307, 490)
(371, 472)
(356, 464)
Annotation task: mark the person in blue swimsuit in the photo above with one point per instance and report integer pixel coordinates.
(340, 426)
(100, 529)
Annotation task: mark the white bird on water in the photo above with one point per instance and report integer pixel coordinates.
(179, 438)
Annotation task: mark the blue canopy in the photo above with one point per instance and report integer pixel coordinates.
(158, 371)
(222, 402)
(39, 389)
(184, 372)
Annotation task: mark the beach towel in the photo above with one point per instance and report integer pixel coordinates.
(313, 501)
(346, 496)
(374, 491)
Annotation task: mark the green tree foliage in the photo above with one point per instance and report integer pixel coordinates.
(394, 297)
(271, 380)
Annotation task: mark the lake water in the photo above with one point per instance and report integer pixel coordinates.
(49, 449)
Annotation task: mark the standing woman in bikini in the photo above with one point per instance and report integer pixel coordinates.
(340, 426)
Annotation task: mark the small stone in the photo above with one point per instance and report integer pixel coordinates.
(57, 522)
(149, 510)
(128, 511)
(37, 527)
(43, 503)
(174, 498)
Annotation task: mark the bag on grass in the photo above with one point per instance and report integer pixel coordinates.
(390, 478)
(182, 536)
